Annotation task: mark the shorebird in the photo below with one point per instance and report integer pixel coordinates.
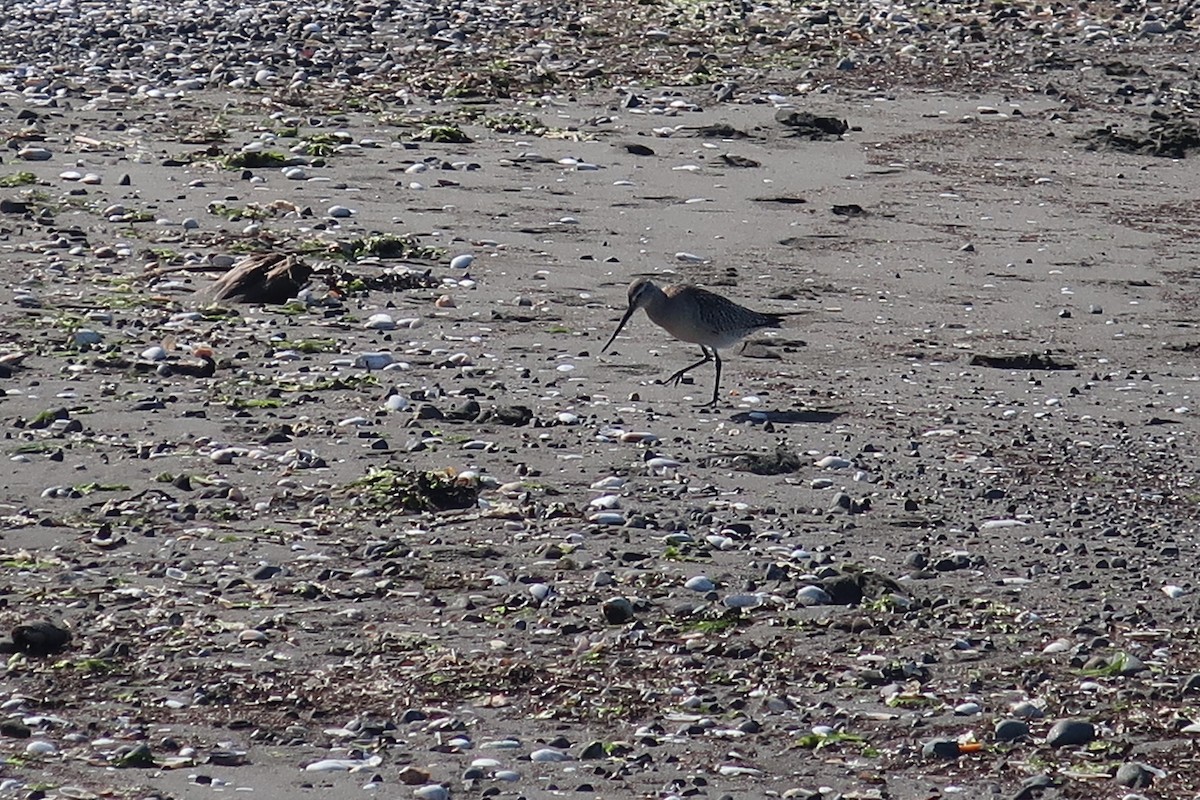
(695, 315)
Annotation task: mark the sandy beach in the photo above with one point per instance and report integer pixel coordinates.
(403, 531)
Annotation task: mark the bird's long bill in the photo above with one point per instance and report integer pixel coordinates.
(624, 319)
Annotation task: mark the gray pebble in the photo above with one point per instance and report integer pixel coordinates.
(1135, 775)
(813, 596)
(1069, 732)
(1128, 664)
(617, 611)
(1010, 730)
(433, 791)
(1027, 710)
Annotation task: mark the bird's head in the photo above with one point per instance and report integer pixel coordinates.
(640, 293)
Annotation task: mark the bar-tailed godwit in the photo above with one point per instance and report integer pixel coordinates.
(695, 315)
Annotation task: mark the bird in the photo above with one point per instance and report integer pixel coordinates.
(698, 316)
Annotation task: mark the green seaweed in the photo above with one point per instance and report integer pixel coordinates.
(255, 159)
(414, 490)
(18, 179)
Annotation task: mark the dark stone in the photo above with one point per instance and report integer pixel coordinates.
(635, 149)
(940, 748)
(1010, 730)
(617, 611)
(40, 638)
(15, 729)
(593, 751)
(1068, 732)
(1134, 775)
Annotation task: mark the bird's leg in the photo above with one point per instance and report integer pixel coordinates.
(678, 375)
(717, 383)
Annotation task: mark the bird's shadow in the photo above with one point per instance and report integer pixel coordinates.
(788, 417)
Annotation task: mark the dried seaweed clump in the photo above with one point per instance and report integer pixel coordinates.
(415, 490)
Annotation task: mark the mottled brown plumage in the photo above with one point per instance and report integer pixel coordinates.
(695, 315)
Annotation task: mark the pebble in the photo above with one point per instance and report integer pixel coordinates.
(40, 747)
(1010, 730)
(1137, 775)
(86, 338)
(374, 360)
(340, 212)
(547, 755)
(608, 484)
(501, 744)
(1068, 732)
(463, 261)
(433, 791)
(334, 765)
(34, 154)
(813, 596)
(660, 464)
(700, 583)
(617, 611)
(834, 462)
(743, 601)
(380, 322)
(941, 748)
